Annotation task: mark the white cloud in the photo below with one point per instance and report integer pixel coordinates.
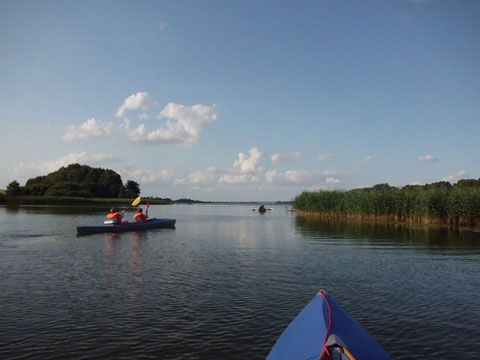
(323, 157)
(28, 170)
(140, 100)
(184, 124)
(89, 130)
(213, 176)
(250, 164)
(238, 179)
(299, 176)
(214, 170)
(417, 183)
(197, 177)
(200, 177)
(332, 180)
(274, 176)
(144, 116)
(366, 159)
(278, 158)
(137, 135)
(305, 177)
(457, 176)
(149, 176)
(126, 123)
(289, 176)
(427, 159)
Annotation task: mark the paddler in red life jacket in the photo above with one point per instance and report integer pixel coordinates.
(140, 216)
(114, 215)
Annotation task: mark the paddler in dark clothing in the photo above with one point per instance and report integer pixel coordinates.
(262, 208)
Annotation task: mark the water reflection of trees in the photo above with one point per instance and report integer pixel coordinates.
(391, 232)
(57, 210)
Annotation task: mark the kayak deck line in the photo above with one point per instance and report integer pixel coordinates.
(323, 330)
(153, 223)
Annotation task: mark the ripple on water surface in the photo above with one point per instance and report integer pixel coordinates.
(225, 283)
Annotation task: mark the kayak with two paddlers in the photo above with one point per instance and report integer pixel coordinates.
(153, 223)
(114, 222)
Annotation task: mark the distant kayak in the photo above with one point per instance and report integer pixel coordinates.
(153, 223)
(324, 330)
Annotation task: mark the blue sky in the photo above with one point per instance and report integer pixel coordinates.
(242, 100)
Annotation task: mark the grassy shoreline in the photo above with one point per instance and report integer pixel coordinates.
(66, 200)
(432, 222)
(433, 204)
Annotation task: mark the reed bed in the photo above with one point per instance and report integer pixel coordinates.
(439, 203)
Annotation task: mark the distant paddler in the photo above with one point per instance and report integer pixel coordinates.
(262, 209)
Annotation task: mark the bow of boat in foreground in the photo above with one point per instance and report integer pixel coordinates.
(153, 223)
(324, 330)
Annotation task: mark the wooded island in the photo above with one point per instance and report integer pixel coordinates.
(75, 184)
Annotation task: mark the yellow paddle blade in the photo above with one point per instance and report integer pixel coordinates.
(136, 201)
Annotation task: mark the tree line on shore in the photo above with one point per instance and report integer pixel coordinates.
(75, 180)
(436, 203)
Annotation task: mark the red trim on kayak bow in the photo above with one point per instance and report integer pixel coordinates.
(329, 323)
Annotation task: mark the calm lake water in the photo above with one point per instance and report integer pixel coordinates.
(225, 283)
